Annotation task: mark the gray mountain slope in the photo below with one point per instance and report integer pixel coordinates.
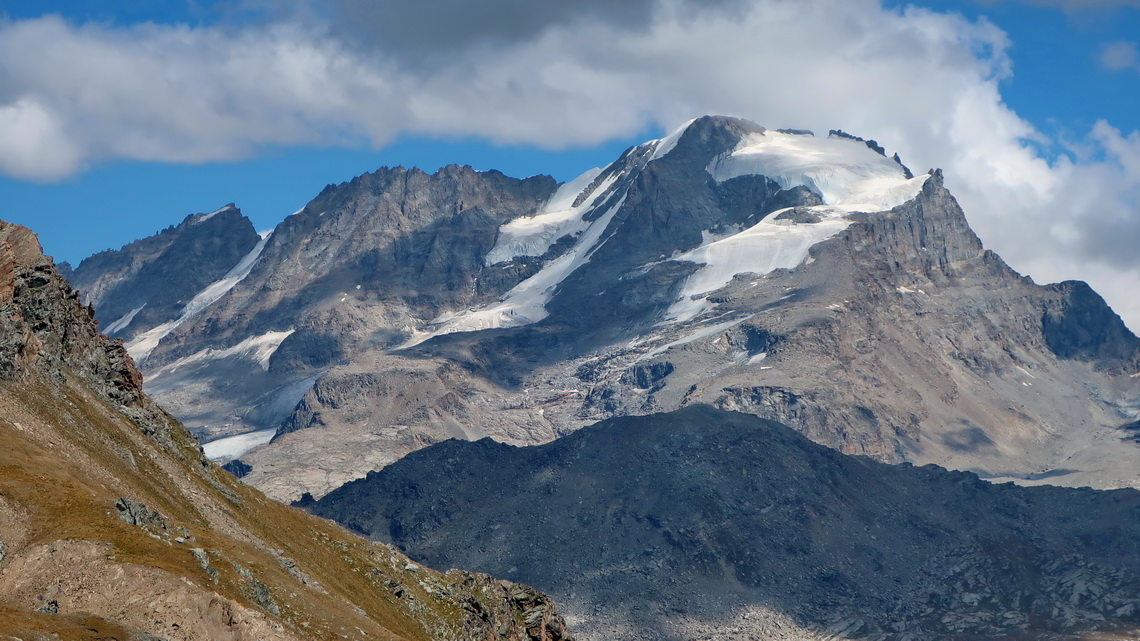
(400, 309)
(900, 338)
(158, 275)
(701, 523)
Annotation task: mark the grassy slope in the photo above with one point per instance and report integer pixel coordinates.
(66, 457)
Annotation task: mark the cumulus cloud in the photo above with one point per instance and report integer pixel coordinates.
(923, 83)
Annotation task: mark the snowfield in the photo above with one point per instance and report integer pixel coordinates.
(843, 172)
(533, 235)
(761, 249)
(258, 349)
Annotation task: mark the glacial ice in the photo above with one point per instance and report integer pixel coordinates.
(123, 321)
(533, 235)
(762, 248)
(258, 349)
(843, 172)
(846, 174)
(526, 302)
(232, 447)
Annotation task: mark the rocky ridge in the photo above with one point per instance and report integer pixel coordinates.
(113, 525)
(149, 281)
(707, 524)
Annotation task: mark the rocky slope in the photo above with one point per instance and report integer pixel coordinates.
(113, 525)
(150, 281)
(807, 279)
(706, 524)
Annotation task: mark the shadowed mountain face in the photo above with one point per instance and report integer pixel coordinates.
(149, 281)
(701, 523)
(806, 279)
(114, 526)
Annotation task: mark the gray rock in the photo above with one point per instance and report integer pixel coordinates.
(137, 513)
(257, 591)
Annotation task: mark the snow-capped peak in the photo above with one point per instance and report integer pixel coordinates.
(142, 345)
(844, 172)
(666, 144)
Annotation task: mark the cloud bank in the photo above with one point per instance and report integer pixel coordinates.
(347, 72)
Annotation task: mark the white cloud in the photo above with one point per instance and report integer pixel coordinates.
(1120, 55)
(922, 83)
(33, 142)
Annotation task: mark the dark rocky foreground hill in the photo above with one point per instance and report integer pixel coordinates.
(708, 524)
(113, 525)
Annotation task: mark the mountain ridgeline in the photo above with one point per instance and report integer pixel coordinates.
(811, 280)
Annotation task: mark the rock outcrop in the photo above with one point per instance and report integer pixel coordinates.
(708, 524)
(113, 525)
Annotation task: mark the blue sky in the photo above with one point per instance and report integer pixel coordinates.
(118, 119)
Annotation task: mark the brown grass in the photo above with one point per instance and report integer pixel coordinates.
(69, 465)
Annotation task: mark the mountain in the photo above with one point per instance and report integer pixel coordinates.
(150, 281)
(807, 279)
(113, 524)
(707, 524)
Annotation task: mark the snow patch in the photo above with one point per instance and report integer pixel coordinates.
(533, 235)
(757, 358)
(123, 321)
(762, 248)
(210, 215)
(232, 447)
(843, 172)
(143, 344)
(526, 302)
(666, 144)
(695, 336)
(1024, 371)
(258, 349)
